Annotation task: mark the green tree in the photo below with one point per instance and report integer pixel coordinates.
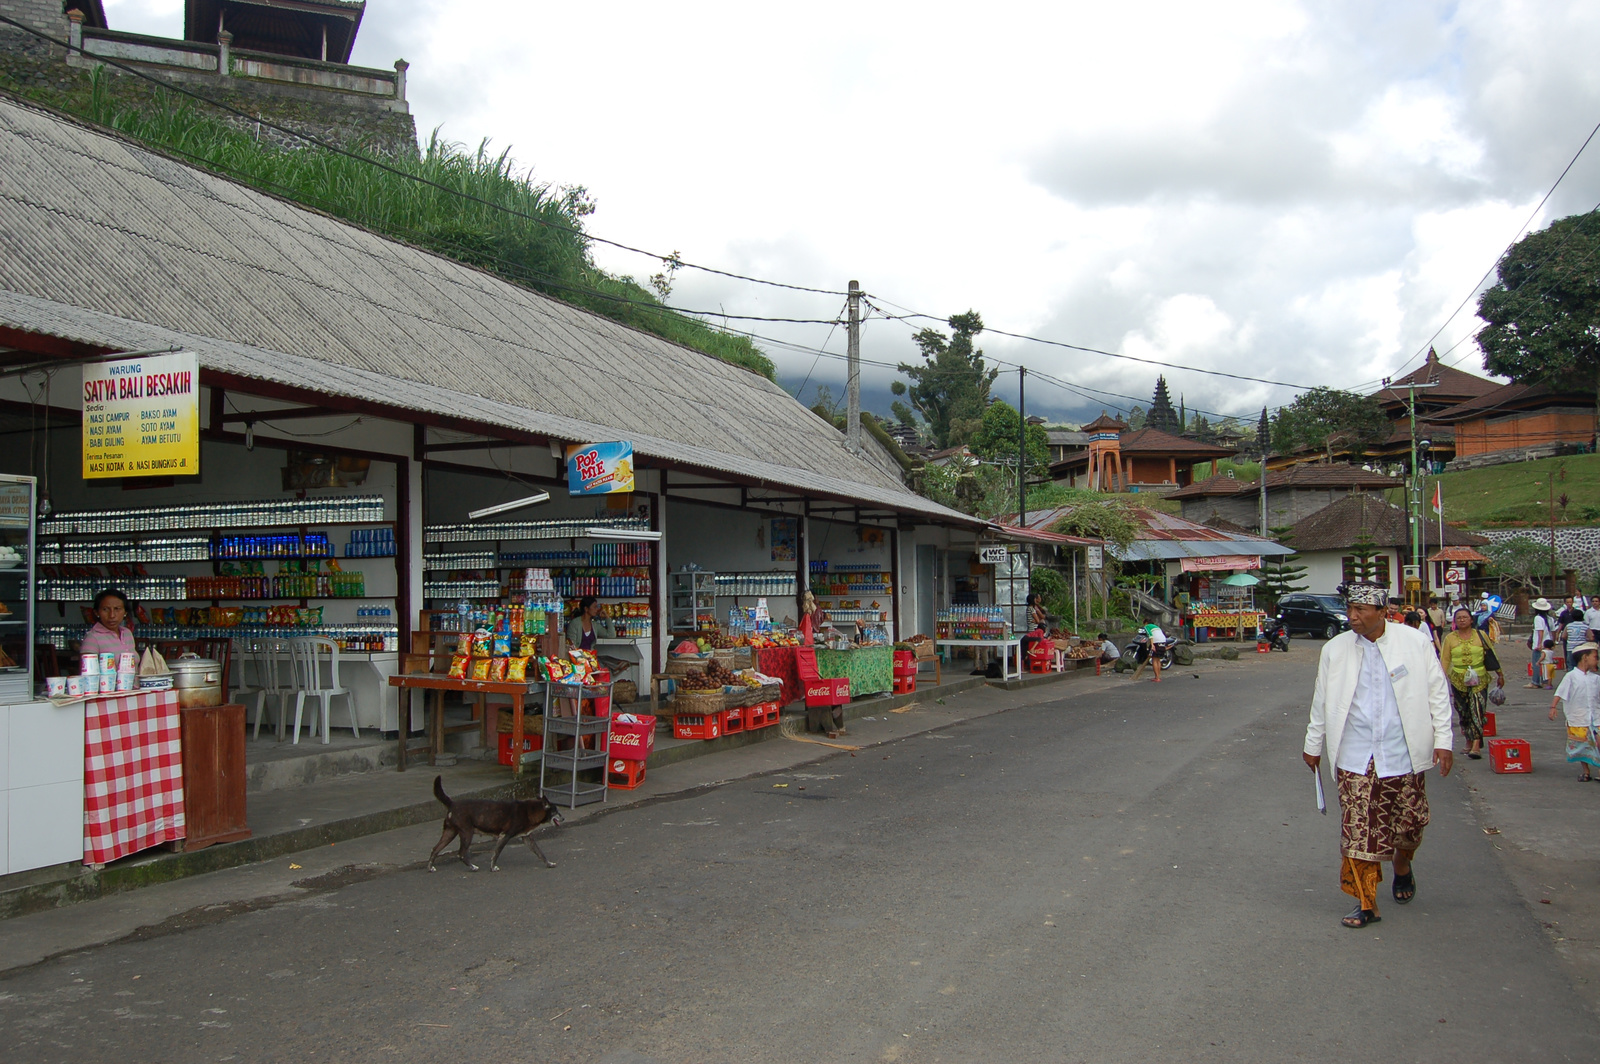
(1324, 419)
(1364, 564)
(1135, 419)
(1544, 309)
(950, 388)
(1279, 576)
(1519, 560)
(996, 438)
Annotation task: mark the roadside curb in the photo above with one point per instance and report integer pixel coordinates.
(70, 884)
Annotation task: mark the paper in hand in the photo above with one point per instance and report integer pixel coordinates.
(1322, 801)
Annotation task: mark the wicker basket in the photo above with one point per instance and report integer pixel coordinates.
(698, 702)
(753, 696)
(532, 723)
(727, 656)
(684, 666)
(625, 692)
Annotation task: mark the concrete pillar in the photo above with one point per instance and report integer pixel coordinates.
(400, 68)
(224, 54)
(75, 31)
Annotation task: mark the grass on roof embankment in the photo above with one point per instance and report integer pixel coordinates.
(471, 206)
(1517, 494)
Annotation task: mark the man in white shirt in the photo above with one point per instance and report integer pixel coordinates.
(1382, 709)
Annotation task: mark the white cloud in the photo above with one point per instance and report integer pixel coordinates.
(1305, 191)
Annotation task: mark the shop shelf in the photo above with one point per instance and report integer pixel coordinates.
(574, 760)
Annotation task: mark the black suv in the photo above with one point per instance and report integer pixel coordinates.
(1322, 615)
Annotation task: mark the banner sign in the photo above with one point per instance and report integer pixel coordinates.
(1096, 558)
(785, 538)
(141, 417)
(1214, 564)
(600, 468)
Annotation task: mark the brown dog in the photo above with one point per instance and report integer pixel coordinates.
(504, 820)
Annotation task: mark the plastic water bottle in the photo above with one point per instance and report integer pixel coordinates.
(461, 616)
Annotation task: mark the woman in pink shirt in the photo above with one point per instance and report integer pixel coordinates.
(110, 634)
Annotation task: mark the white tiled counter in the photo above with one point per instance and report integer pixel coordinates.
(41, 785)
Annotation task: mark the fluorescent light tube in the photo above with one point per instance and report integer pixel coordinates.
(514, 505)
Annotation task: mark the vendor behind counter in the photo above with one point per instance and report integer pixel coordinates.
(110, 633)
(580, 629)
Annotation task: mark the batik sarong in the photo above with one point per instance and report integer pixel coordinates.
(1379, 816)
(1582, 747)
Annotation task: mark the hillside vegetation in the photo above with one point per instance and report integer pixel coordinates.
(487, 214)
(1518, 494)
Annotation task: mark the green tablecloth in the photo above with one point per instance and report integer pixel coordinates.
(869, 669)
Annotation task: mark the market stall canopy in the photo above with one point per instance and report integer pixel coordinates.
(111, 246)
(1459, 555)
(1165, 537)
(1241, 580)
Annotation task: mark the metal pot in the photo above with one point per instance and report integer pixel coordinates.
(197, 680)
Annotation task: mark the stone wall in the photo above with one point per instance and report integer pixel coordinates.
(31, 71)
(1576, 548)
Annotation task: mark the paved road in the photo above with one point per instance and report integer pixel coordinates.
(1124, 875)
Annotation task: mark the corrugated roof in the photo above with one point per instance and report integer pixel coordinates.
(1165, 537)
(111, 244)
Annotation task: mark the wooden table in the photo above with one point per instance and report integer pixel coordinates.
(432, 681)
(1002, 645)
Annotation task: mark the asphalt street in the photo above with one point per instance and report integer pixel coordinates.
(1131, 872)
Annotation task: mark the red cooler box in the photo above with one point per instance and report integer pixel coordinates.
(633, 736)
(1511, 755)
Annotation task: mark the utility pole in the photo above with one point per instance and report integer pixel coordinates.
(852, 423)
(1022, 447)
(1414, 484)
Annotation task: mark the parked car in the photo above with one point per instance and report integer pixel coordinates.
(1322, 615)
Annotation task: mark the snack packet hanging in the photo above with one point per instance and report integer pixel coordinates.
(502, 645)
(497, 668)
(480, 668)
(481, 643)
(517, 670)
(458, 666)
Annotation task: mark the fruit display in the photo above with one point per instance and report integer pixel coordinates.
(714, 677)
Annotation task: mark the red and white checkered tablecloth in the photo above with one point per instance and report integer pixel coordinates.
(132, 774)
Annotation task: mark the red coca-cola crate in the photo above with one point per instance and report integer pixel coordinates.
(1488, 726)
(635, 740)
(1511, 755)
(697, 725)
(760, 715)
(624, 774)
(529, 744)
(733, 720)
(905, 685)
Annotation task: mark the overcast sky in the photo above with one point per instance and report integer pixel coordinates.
(1301, 192)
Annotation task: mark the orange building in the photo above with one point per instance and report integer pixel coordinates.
(1144, 460)
(1519, 417)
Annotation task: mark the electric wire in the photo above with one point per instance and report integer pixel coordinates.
(378, 163)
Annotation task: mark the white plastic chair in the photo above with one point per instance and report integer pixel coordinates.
(274, 676)
(308, 653)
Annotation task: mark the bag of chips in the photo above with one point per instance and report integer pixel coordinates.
(497, 668)
(481, 644)
(458, 666)
(502, 646)
(480, 668)
(517, 670)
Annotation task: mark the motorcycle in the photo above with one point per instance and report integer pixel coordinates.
(1139, 649)
(1276, 634)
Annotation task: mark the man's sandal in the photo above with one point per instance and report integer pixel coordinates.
(1407, 884)
(1359, 918)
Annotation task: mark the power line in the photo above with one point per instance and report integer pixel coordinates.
(1109, 354)
(356, 156)
(1511, 244)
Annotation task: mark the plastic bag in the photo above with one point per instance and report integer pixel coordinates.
(1473, 678)
(1497, 695)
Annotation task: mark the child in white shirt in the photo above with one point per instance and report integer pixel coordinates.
(1580, 694)
(1547, 665)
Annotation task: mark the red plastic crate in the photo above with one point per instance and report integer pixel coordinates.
(905, 685)
(529, 744)
(733, 720)
(624, 774)
(697, 725)
(755, 716)
(636, 741)
(1511, 755)
(1488, 726)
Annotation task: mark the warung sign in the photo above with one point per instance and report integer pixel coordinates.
(141, 417)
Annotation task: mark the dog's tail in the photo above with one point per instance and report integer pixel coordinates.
(438, 791)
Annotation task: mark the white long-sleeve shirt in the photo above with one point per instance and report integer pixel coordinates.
(1372, 731)
(1420, 691)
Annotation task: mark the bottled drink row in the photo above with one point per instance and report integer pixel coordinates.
(777, 585)
(113, 551)
(368, 638)
(255, 513)
(284, 585)
(310, 545)
(565, 528)
(370, 543)
(604, 585)
(144, 588)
